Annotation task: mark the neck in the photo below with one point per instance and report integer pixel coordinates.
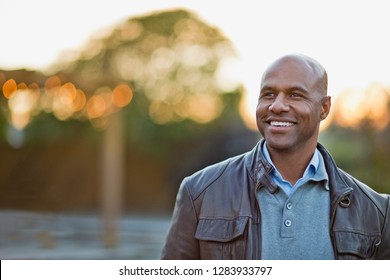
(291, 164)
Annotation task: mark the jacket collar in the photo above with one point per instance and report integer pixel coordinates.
(259, 168)
(339, 188)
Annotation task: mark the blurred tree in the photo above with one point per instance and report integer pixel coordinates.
(162, 72)
(171, 61)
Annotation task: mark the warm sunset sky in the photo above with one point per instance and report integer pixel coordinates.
(350, 38)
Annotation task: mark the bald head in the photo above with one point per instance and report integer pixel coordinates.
(299, 61)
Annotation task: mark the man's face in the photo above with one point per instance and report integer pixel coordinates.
(291, 106)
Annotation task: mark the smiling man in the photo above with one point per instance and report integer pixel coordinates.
(285, 199)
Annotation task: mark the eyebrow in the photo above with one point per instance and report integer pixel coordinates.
(266, 88)
(296, 88)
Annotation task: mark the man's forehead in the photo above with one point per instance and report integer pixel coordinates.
(291, 65)
(295, 71)
(294, 61)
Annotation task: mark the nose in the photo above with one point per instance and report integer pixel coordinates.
(279, 104)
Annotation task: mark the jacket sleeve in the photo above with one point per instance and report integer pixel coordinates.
(180, 242)
(384, 247)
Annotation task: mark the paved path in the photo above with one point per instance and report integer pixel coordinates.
(27, 235)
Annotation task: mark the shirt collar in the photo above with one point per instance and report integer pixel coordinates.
(315, 161)
(314, 171)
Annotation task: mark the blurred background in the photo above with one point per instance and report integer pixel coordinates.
(105, 107)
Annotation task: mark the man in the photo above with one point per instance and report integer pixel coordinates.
(285, 199)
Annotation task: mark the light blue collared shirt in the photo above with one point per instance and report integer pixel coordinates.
(309, 173)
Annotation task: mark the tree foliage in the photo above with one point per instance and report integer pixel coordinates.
(171, 62)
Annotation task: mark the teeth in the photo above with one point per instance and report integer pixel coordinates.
(274, 123)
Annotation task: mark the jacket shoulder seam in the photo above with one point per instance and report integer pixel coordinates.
(196, 184)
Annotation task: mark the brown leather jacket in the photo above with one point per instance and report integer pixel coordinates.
(217, 215)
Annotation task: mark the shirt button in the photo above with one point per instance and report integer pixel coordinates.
(287, 223)
(289, 206)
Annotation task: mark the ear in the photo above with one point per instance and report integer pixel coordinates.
(325, 107)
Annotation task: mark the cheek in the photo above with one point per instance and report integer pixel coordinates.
(261, 109)
(311, 115)
(259, 115)
(307, 110)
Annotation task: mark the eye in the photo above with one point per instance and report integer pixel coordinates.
(267, 94)
(296, 94)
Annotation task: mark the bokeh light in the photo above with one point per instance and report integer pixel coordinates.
(9, 87)
(353, 107)
(122, 95)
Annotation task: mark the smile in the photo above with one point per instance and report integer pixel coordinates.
(281, 124)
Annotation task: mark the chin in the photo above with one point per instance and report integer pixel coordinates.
(281, 146)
